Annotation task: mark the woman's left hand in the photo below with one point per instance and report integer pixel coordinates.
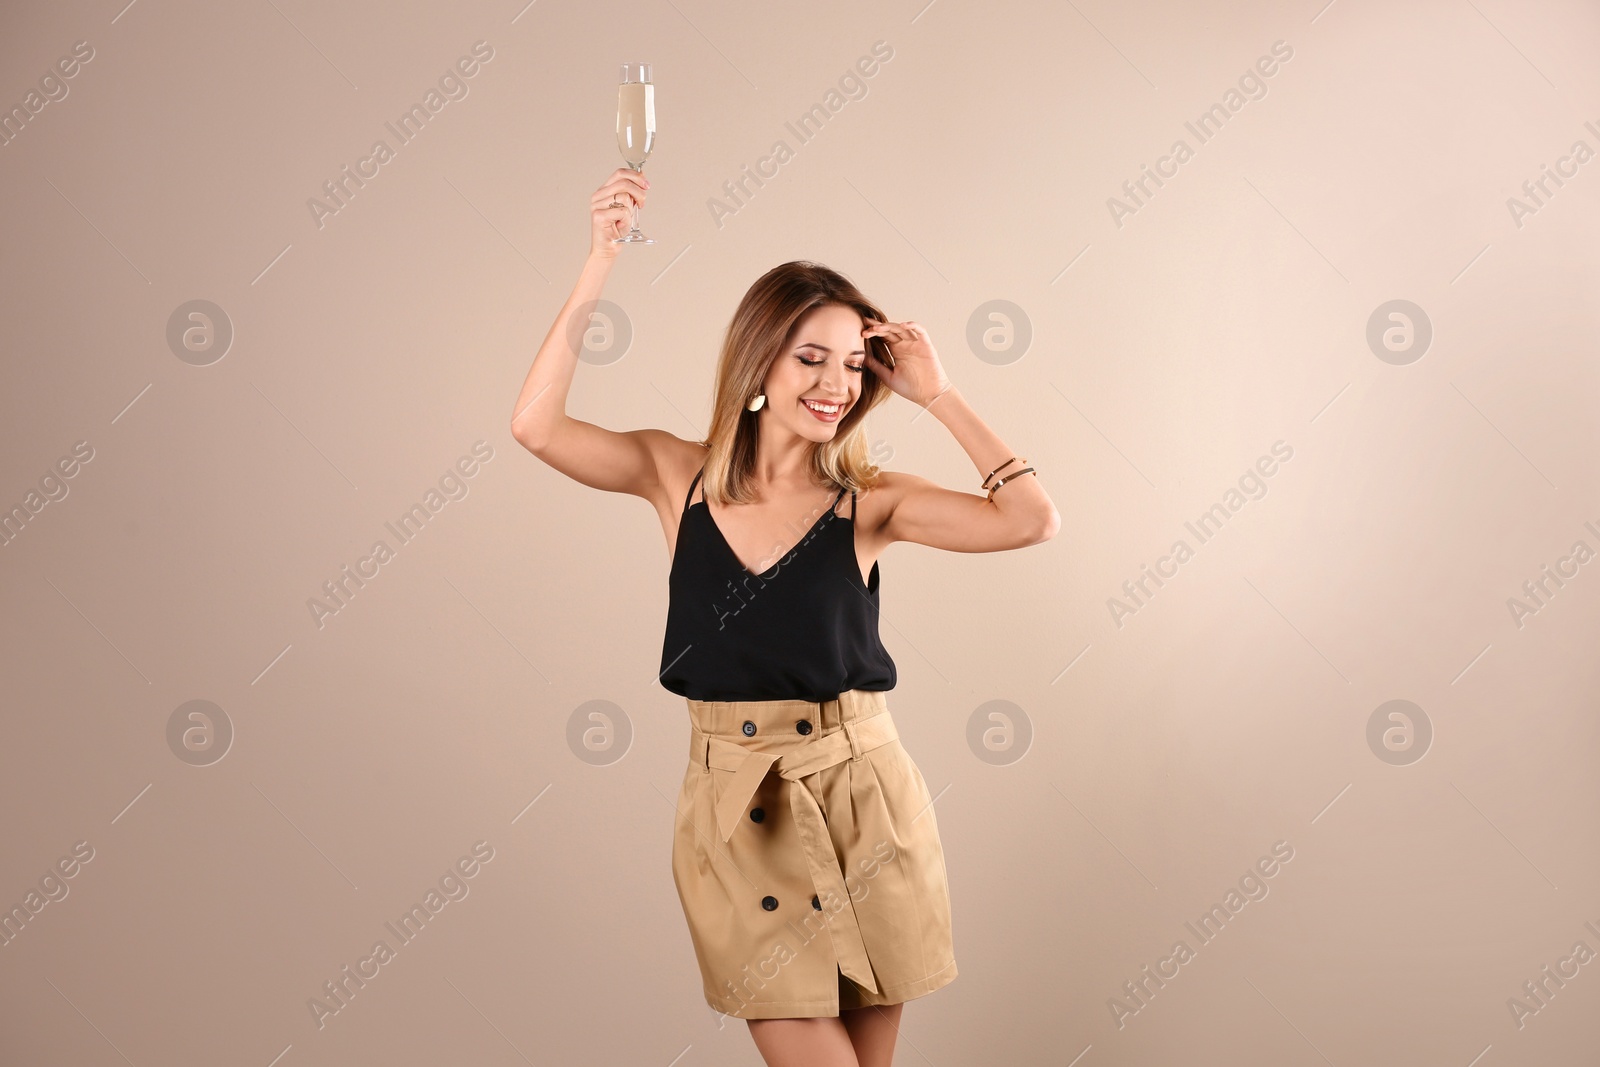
(917, 374)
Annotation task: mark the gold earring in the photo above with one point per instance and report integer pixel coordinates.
(755, 405)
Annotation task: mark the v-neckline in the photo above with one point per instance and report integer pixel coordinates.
(734, 556)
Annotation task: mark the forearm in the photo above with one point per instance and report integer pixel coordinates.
(1022, 499)
(542, 403)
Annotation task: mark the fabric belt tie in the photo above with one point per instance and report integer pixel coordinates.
(733, 793)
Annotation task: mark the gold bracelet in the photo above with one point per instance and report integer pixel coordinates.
(998, 469)
(1007, 478)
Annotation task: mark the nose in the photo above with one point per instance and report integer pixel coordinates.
(833, 379)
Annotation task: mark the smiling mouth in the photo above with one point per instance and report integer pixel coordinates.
(823, 410)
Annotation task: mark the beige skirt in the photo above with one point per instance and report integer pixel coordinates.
(807, 858)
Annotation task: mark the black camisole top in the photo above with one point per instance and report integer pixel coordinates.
(806, 629)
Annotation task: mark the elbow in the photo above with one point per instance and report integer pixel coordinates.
(1050, 527)
(537, 430)
(524, 436)
(520, 435)
(531, 429)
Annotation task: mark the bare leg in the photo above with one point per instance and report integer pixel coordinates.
(872, 1032)
(819, 1042)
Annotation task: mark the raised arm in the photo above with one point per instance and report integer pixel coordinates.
(1020, 513)
(616, 461)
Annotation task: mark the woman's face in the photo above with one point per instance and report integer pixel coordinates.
(816, 379)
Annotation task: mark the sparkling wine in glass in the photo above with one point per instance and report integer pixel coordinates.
(636, 130)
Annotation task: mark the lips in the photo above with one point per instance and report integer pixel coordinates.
(822, 410)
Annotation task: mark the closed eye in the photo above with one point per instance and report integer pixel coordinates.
(857, 367)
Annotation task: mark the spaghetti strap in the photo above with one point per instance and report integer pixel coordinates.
(692, 484)
(852, 506)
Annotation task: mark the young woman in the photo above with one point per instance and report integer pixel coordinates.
(806, 853)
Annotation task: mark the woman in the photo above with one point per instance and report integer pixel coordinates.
(806, 853)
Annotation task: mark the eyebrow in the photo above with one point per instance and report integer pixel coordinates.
(825, 348)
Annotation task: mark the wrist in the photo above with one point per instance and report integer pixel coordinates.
(947, 393)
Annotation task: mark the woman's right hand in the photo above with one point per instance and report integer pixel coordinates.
(606, 223)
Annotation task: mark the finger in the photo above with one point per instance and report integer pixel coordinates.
(617, 191)
(611, 223)
(618, 204)
(630, 185)
(628, 179)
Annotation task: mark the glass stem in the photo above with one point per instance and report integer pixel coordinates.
(635, 212)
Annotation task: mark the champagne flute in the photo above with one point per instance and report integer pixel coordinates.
(636, 131)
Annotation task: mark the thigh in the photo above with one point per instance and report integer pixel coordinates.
(872, 1032)
(819, 1042)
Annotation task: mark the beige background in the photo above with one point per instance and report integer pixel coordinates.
(1167, 755)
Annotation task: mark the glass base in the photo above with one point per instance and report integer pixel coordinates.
(633, 239)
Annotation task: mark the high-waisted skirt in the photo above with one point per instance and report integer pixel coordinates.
(807, 858)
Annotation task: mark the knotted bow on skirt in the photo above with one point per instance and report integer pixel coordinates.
(807, 859)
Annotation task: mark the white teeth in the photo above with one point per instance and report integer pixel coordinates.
(826, 409)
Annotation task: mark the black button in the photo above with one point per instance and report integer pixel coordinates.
(816, 904)
(756, 815)
(769, 902)
(803, 726)
(749, 728)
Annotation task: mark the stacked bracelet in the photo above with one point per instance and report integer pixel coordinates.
(1007, 478)
(998, 469)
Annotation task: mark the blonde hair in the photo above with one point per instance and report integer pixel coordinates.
(758, 333)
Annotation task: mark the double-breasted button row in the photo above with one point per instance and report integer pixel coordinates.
(801, 727)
